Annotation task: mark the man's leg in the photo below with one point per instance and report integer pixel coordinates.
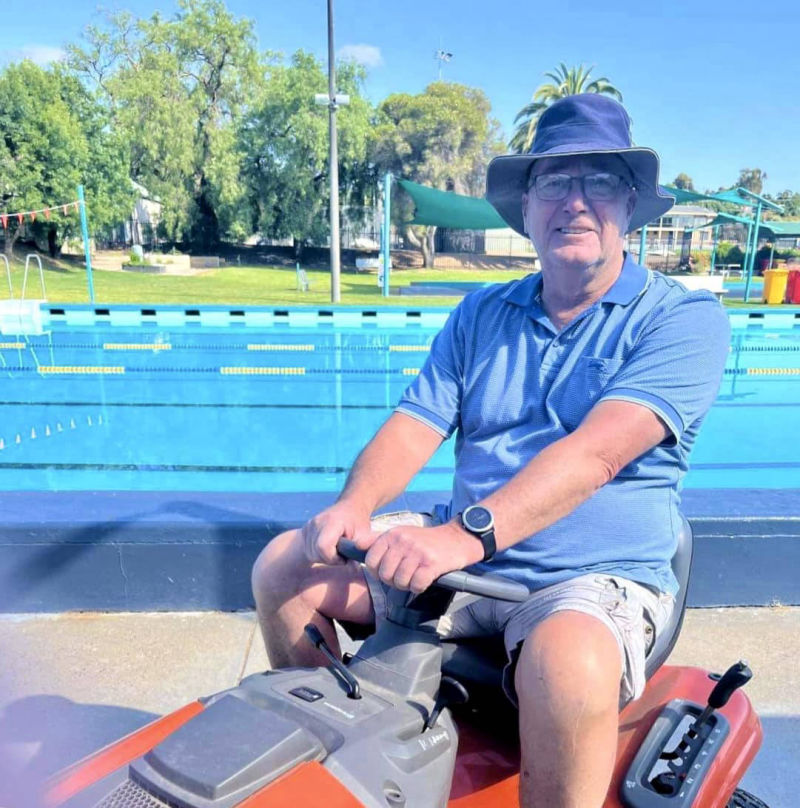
(290, 592)
(568, 686)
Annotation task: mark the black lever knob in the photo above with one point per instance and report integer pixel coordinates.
(314, 634)
(735, 677)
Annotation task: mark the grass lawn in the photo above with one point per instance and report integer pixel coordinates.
(256, 286)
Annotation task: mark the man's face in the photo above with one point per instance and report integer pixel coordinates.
(576, 231)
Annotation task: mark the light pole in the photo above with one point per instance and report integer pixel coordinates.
(332, 101)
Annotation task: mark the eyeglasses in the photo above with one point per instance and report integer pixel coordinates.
(599, 187)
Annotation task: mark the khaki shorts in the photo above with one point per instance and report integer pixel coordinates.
(635, 614)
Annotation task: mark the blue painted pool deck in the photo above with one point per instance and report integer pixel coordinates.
(156, 551)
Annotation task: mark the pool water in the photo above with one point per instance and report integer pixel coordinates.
(287, 408)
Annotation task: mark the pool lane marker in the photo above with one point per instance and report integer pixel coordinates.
(410, 371)
(261, 371)
(266, 346)
(12, 346)
(137, 346)
(82, 369)
(773, 371)
(410, 348)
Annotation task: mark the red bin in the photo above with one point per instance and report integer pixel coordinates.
(793, 287)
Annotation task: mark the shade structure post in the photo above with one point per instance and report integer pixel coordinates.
(751, 257)
(86, 250)
(643, 245)
(746, 259)
(714, 237)
(386, 232)
(771, 254)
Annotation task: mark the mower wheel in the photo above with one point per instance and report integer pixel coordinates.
(743, 799)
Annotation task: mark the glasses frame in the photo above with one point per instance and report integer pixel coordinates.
(582, 179)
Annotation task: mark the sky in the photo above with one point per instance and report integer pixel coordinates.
(712, 86)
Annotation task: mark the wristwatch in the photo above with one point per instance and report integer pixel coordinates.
(479, 521)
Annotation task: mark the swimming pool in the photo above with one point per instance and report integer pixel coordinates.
(216, 399)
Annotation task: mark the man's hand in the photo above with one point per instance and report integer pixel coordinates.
(322, 533)
(408, 557)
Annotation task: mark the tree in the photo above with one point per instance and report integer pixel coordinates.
(442, 137)
(565, 81)
(684, 182)
(177, 89)
(790, 202)
(56, 137)
(752, 179)
(284, 141)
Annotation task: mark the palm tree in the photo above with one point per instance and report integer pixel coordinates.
(565, 81)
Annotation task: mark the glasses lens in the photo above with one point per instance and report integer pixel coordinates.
(601, 186)
(552, 186)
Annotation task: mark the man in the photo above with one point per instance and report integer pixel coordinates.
(575, 396)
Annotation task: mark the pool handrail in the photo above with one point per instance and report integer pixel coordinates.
(8, 275)
(41, 274)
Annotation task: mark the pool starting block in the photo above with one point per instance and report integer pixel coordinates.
(21, 317)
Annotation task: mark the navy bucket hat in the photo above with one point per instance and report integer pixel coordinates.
(573, 126)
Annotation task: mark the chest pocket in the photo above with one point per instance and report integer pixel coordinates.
(582, 387)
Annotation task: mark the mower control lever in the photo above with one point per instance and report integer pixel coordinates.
(735, 677)
(315, 635)
(490, 586)
(451, 691)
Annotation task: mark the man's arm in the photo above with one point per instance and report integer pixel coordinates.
(550, 486)
(400, 448)
(569, 471)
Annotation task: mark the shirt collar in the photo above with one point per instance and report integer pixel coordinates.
(631, 282)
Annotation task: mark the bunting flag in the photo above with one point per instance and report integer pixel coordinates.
(32, 214)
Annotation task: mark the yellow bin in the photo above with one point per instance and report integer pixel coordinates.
(774, 285)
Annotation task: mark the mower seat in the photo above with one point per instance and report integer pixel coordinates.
(478, 663)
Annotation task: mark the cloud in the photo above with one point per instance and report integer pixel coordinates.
(367, 55)
(39, 54)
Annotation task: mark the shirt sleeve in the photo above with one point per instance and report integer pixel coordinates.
(676, 367)
(434, 397)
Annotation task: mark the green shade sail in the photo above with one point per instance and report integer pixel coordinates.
(779, 229)
(682, 195)
(721, 218)
(447, 209)
(768, 229)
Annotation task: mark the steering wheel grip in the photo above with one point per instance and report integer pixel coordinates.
(490, 586)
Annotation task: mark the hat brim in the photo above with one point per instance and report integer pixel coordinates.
(507, 177)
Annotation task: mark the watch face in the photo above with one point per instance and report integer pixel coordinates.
(478, 518)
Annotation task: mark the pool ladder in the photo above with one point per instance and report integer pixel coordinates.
(21, 316)
(25, 275)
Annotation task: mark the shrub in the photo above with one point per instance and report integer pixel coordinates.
(729, 253)
(700, 261)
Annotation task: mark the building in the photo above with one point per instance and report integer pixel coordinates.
(665, 235)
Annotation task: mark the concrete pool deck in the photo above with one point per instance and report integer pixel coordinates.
(73, 682)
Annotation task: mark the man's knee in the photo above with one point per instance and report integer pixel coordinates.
(279, 567)
(570, 662)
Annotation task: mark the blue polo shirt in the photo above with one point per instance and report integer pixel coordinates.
(508, 383)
